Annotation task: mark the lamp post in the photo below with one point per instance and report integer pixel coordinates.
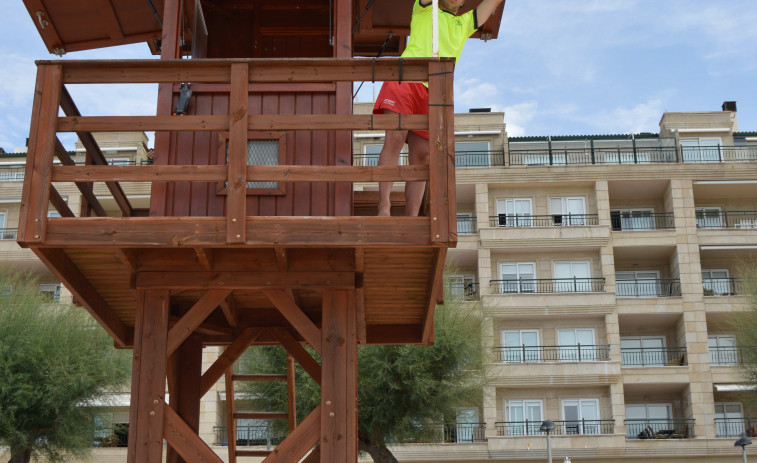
(547, 426)
(743, 442)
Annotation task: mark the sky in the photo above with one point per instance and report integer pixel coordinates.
(559, 67)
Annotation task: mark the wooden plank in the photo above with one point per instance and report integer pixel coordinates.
(298, 352)
(435, 285)
(49, 34)
(194, 317)
(139, 173)
(243, 280)
(24, 233)
(259, 377)
(59, 203)
(186, 442)
(128, 257)
(136, 398)
(141, 123)
(439, 126)
(299, 442)
(261, 231)
(93, 152)
(360, 295)
(102, 43)
(83, 291)
(314, 456)
(394, 334)
(294, 315)
(205, 258)
(227, 358)
(291, 394)
(260, 415)
(253, 453)
(281, 258)
(229, 308)
(84, 188)
(231, 421)
(268, 122)
(451, 187)
(236, 190)
(109, 20)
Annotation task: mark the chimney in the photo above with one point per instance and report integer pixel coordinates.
(729, 106)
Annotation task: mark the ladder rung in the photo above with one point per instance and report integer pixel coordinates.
(261, 416)
(252, 453)
(259, 377)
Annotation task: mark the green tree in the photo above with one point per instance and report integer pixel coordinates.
(53, 360)
(745, 326)
(404, 391)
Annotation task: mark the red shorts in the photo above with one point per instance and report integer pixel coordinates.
(405, 98)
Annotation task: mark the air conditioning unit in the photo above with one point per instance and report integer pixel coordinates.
(729, 106)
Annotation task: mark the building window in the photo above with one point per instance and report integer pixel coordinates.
(465, 223)
(463, 286)
(729, 419)
(518, 277)
(520, 346)
(576, 345)
(263, 149)
(514, 212)
(524, 417)
(640, 418)
(632, 219)
(581, 416)
(643, 351)
(723, 349)
(638, 284)
(472, 154)
(50, 291)
(571, 277)
(568, 210)
(716, 282)
(467, 427)
(709, 217)
(701, 149)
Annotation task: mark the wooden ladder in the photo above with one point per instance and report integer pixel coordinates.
(232, 415)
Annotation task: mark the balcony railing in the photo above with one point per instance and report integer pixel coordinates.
(661, 287)
(562, 428)
(8, 233)
(12, 172)
(554, 285)
(537, 354)
(462, 159)
(727, 355)
(588, 156)
(249, 435)
(722, 286)
(115, 436)
(467, 291)
(653, 356)
(455, 433)
(727, 219)
(622, 221)
(735, 427)
(554, 220)
(664, 428)
(698, 154)
(466, 225)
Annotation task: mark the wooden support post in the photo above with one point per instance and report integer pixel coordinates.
(441, 150)
(231, 421)
(291, 394)
(148, 378)
(343, 139)
(185, 368)
(339, 378)
(236, 190)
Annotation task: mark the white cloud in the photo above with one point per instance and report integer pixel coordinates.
(517, 116)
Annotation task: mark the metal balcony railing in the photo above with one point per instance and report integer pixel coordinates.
(480, 158)
(730, 286)
(467, 291)
(623, 221)
(249, 435)
(456, 433)
(735, 427)
(727, 219)
(699, 154)
(114, 436)
(664, 428)
(537, 354)
(8, 233)
(562, 428)
(589, 156)
(466, 225)
(554, 285)
(554, 220)
(653, 356)
(660, 287)
(12, 172)
(728, 355)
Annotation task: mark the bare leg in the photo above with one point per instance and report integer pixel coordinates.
(418, 155)
(390, 153)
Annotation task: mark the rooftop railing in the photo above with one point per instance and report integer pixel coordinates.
(539, 354)
(653, 356)
(589, 156)
(553, 285)
(727, 219)
(462, 159)
(633, 221)
(663, 428)
(562, 428)
(703, 154)
(552, 220)
(660, 287)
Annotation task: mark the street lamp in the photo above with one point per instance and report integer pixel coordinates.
(742, 442)
(547, 426)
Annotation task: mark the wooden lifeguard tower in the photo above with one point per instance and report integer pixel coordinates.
(252, 235)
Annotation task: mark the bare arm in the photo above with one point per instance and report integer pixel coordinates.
(485, 9)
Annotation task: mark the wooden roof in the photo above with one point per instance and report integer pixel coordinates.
(67, 25)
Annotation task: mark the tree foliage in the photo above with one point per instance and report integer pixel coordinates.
(745, 326)
(53, 360)
(404, 391)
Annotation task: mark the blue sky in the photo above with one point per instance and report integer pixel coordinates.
(559, 67)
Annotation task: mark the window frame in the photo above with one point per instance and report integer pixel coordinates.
(221, 159)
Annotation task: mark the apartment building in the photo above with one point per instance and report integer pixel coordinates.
(606, 267)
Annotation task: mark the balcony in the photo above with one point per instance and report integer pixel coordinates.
(544, 286)
(113, 436)
(653, 356)
(665, 428)
(702, 154)
(735, 427)
(731, 286)
(661, 287)
(466, 291)
(555, 220)
(466, 225)
(727, 219)
(12, 172)
(562, 428)
(462, 159)
(593, 156)
(539, 354)
(250, 435)
(641, 221)
(8, 233)
(724, 356)
(450, 433)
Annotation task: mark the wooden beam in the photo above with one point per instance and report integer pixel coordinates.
(184, 440)
(294, 315)
(261, 231)
(84, 188)
(109, 19)
(205, 258)
(259, 378)
(236, 190)
(227, 358)
(207, 328)
(194, 317)
(67, 272)
(281, 258)
(128, 257)
(253, 453)
(299, 442)
(152, 173)
(229, 308)
(314, 456)
(59, 203)
(231, 421)
(441, 134)
(260, 415)
(434, 286)
(291, 393)
(185, 371)
(243, 280)
(360, 295)
(298, 352)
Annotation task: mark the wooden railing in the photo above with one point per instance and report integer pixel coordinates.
(238, 78)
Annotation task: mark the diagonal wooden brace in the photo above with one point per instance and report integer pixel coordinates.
(227, 359)
(294, 314)
(194, 318)
(295, 349)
